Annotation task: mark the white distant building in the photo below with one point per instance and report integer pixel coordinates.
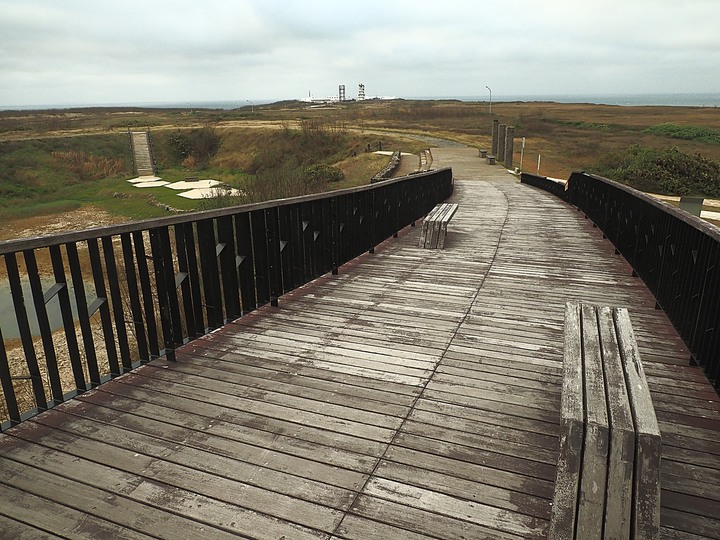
(361, 92)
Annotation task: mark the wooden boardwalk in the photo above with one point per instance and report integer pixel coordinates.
(414, 395)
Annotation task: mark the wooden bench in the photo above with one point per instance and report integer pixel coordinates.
(490, 159)
(608, 471)
(434, 227)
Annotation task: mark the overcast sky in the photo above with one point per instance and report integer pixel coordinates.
(128, 51)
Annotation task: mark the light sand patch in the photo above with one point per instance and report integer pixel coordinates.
(194, 184)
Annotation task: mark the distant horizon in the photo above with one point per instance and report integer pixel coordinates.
(678, 99)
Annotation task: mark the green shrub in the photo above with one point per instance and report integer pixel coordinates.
(688, 133)
(319, 176)
(669, 172)
(194, 148)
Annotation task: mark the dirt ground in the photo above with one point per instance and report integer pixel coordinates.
(82, 218)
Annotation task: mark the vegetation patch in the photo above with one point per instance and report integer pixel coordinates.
(687, 133)
(668, 172)
(85, 166)
(597, 126)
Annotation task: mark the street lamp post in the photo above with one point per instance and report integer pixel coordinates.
(489, 90)
(252, 106)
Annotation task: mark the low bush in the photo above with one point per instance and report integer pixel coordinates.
(688, 133)
(85, 166)
(669, 172)
(193, 149)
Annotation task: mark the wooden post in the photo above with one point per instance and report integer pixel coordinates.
(509, 145)
(495, 137)
(500, 154)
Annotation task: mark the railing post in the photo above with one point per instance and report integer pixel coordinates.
(25, 335)
(162, 293)
(7, 385)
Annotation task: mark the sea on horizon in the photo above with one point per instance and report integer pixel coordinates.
(674, 100)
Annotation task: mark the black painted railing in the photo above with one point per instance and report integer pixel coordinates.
(127, 294)
(676, 254)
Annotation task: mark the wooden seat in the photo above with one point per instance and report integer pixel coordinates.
(490, 159)
(608, 471)
(434, 227)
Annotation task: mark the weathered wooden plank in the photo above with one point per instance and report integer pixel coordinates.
(294, 476)
(359, 528)
(227, 407)
(591, 504)
(455, 465)
(496, 460)
(476, 428)
(240, 425)
(468, 489)
(55, 516)
(140, 479)
(690, 523)
(621, 452)
(431, 523)
(94, 504)
(649, 444)
(572, 431)
(493, 417)
(483, 515)
(229, 439)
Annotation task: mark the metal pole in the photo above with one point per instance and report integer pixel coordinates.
(486, 86)
(522, 153)
(538, 171)
(252, 106)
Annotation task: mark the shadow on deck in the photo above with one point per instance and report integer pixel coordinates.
(416, 394)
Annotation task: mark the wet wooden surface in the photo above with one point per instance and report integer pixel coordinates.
(414, 395)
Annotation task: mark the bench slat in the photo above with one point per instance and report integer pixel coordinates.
(572, 431)
(446, 219)
(593, 478)
(618, 504)
(648, 448)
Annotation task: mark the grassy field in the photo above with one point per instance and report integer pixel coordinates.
(56, 162)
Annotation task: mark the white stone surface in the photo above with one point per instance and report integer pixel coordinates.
(206, 193)
(706, 214)
(142, 179)
(155, 183)
(194, 184)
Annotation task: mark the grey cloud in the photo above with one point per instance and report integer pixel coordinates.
(100, 52)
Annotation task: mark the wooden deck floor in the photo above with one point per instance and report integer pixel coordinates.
(415, 395)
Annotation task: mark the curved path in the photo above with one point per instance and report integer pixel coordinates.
(414, 395)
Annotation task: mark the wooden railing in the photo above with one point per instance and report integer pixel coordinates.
(130, 293)
(676, 254)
